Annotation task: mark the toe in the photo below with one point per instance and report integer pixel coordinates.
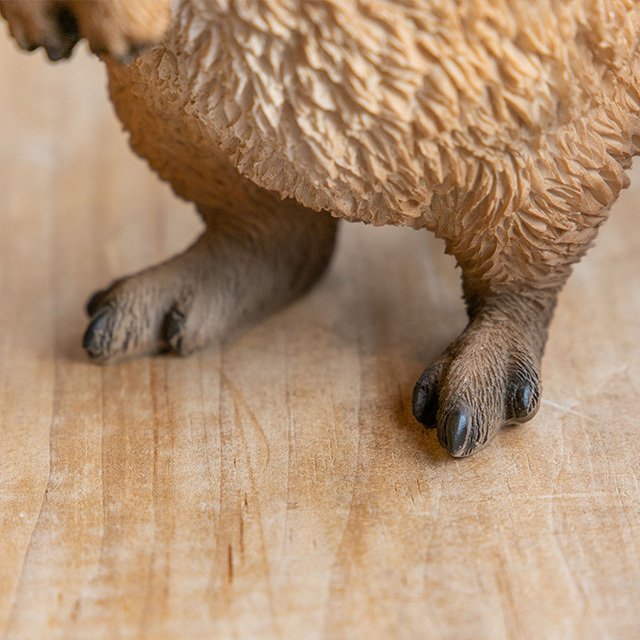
(425, 396)
(98, 336)
(49, 26)
(56, 53)
(95, 302)
(524, 398)
(457, 434)
(173, 329)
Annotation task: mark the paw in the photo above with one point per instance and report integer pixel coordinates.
(119, 28)
(42, 23)
(146, 314)
(483, 382)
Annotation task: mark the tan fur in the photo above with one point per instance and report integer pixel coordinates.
(503, 127)
(508, 120)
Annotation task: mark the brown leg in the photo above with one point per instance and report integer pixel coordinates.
(489, 376)
(243, 267)
(119, 28)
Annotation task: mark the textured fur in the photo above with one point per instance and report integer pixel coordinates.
(504, 128)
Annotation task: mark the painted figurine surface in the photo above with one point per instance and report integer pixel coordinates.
(504, 127)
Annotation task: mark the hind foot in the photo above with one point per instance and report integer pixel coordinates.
(174, 307)
(245, 266)
(488, 378)
(119, 28)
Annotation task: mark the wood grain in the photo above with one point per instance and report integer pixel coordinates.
(279, 488)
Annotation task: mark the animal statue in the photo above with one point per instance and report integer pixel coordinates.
(503, 126)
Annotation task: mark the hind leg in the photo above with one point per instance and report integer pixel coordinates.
(243, 267)
(490, 375)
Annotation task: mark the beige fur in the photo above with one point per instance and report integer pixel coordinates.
(503, 127)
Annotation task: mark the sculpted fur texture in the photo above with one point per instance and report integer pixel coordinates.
(503, 127)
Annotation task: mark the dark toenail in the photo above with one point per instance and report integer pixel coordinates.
(174, 327)
(524, 400)
(457, 429)
(425, 401)
(94, 337)
(55, 53)
(32, 47)
(94, 301)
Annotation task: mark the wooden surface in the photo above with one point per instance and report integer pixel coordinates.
(280, 488)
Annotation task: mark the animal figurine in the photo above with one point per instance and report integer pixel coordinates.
(503, 126)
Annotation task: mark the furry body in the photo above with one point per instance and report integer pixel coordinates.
(480, 122)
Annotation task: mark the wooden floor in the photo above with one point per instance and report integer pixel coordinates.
(280, 488)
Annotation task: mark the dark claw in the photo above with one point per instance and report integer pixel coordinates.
(97, 336)
(425, 399)
(95, 302)
(173, 328)
(457, 432)
(522, 399)
(67, 35)
(525, 401)
(55, 53)
(61, 52)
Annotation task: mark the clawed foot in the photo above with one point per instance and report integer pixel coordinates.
(486, 379)
(122, 326)
(163, 309)
(119, 28)
(238, 271)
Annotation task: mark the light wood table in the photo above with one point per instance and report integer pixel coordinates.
(280, 488)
